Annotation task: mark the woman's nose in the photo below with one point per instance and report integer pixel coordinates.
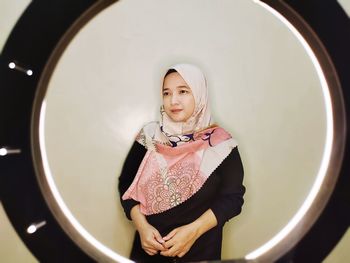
(174, 99)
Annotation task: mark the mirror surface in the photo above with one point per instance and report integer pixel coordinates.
(263, 88)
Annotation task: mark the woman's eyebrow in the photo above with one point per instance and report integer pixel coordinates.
(180, 87)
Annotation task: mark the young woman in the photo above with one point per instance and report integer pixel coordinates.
(182, 179)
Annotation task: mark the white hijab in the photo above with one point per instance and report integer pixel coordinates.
(201, 117)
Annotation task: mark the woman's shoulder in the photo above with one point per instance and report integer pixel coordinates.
(221, 132)
(223, 128)
(150, 128)
(151, 125)
(147, 133)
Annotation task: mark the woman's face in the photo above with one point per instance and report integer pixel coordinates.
(178, 100)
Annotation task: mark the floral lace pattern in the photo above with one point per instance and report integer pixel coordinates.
(166, 190)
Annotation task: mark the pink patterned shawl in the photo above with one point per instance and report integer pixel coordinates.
(168, 176)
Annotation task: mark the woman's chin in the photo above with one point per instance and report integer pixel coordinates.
(177, 119)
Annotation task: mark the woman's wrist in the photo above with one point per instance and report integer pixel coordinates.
(138, 218)
(204, 223)
(197, 227)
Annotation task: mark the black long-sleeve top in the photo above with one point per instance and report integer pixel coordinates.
(222, 193)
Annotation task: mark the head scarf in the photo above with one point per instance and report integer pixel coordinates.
(180, 155)
(200, 118)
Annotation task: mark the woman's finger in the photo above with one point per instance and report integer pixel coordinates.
(169, 244)
(151, 252)
(170, 235)
(172, 252)
(158, 237)
(155, 245)
(182, 253)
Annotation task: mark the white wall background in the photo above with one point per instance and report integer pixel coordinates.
(106, 87)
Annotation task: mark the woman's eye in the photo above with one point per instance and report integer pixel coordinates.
(165, 93)
(183, 91)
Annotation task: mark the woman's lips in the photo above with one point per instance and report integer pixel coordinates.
(176, 110)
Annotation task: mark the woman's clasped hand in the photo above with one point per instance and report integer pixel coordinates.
(177, 243)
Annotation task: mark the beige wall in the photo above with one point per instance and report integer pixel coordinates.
(10, 11)
(12, 249)
(346, 6)
(259, 75)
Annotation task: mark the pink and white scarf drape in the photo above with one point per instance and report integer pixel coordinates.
(168, 176)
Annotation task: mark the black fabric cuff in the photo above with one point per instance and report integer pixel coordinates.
(223, 211)
(128, 205)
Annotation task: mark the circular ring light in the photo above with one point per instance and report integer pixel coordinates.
(23, 136)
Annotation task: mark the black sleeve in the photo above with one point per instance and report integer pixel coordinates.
(130, 167)
(229, 200)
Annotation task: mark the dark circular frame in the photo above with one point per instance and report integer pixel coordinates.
(37, 42)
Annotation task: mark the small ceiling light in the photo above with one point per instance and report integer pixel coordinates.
(35, 226)
(12, 65)
(3, 151)
(31, 229)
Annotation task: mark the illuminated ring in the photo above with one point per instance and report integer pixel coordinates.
(48, 27)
